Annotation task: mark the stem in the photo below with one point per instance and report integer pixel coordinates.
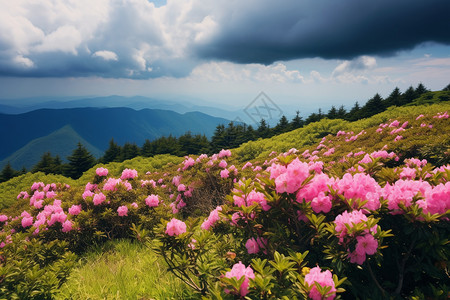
(375, 280)
(401, 270)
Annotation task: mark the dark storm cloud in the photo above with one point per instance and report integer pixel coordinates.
(267, 31)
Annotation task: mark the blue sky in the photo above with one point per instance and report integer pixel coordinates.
(304, 54)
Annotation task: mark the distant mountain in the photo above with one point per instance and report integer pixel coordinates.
(61, 142)
(98, 125)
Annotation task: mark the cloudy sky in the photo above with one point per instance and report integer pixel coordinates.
(223, 52)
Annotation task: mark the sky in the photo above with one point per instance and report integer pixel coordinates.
(303, 54)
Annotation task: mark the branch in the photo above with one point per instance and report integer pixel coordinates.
(375, 280)
(401, 270)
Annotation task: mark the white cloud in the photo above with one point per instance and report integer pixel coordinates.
(106, 55)
(226, 71)
(359, 64)
(23, 61)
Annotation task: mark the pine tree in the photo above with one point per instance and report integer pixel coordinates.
(297, 121)
(282, 126)
(420, 89)
(7, 173)
(263, 130)
(48, 164)
(112, 153)
(341, 113)
(395, 98)
(79, 162)
(447, 88)
(332, 113)
(354, 113)
(129, 151)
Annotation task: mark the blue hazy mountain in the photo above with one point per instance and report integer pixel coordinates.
(97, 126)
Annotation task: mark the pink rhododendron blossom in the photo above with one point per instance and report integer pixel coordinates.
(152, 200)
(321, 203)
(379, 130)
(408, 173)
(101, 171)
(188, 162)
(324, 279)
(329, 152)
(3, 218)
(356, 258)
(350, 219)
(223, 164)
(212, 219)
(129, 174)
(122, 211)
(367, 244)
(224, 153)
(224, 173)
(252, 246)
(237, 272)
(23, 195)
(67, 226)
(37, 185)
(90, 187)
(38, 204)
(99, 198)
(87, 194)
(181, 188)
(50, 194)
(175, 227)
(27, 221)
(318, 184)
(75, 210)
(398, 138)
(403, 191)
(394, 123)
(360, 186)
(366, 160)
(419, 116)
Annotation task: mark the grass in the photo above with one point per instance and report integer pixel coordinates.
(122, 270)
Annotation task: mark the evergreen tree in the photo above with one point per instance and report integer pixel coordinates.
(263, 130)
(332, 113)
(129, 151)
(218, 139)
(354, 113)
(282, 126)
(7, 173)
(79, 162)
(447, 88)
(341, 113)
(48, 164)
(112, 153)
(420, 89)
(408, 96)
(372, 107)
(297, 121)
(147, 149)
(395, 98)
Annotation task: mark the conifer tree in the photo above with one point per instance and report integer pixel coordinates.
(297, 121)
(112, 153)
(282, 126)
(7, 173)
(79, 162)
(129, 151)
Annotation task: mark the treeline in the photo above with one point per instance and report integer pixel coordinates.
(230, 136)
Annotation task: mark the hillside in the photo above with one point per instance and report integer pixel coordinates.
(94, 125)
(347, 199)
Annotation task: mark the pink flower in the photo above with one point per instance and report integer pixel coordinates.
(67, 226)
(398, 138)
(321, 203)
(99, 198)
(27, 221)
(134, 205)
(224, 153)
(223, 164)
(237, 272)
(175, 227)
(224, 173)
(152, 200)
(128, 174)
(367, 244)
(75, 210)
(51, 194)
(101, 171)
(122, 211)
(189, 162)
(3, 218)
(87, 194)
(252, 246)
(212, 219)
(181, 188)
(324, 279)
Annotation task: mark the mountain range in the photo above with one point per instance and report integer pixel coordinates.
(26, 136)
